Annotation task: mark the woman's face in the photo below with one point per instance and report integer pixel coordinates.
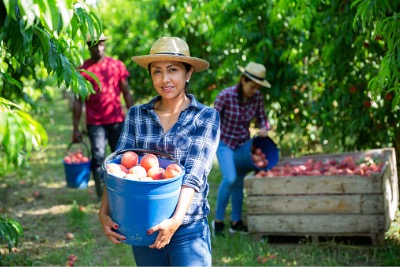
(169, 78)
(249, 88)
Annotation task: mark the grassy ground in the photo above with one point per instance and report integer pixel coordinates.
(38, 198)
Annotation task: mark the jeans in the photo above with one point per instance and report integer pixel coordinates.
(231, 185)
(189, 246)
(100, 136)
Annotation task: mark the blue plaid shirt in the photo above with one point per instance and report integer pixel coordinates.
(192, 141)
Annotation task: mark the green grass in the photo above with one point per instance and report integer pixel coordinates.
(47, 219)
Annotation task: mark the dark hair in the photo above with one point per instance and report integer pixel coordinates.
(240, 88)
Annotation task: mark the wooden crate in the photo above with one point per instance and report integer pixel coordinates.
(339, 205)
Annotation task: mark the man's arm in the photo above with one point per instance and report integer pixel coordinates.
(76, 117)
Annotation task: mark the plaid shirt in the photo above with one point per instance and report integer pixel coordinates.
(192, 141)
(235, 118)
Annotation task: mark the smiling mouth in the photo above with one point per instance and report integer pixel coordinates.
(167, 88)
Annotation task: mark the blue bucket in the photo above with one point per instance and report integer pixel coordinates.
(242, 155)
(136, 206)
(77, 174)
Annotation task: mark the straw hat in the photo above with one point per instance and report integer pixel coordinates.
(171, 49)
(101, 38)
(256, 72)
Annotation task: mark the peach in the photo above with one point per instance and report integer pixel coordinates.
(172, 170)
(139, 171)
(70, 236)
(129, 159)
(149, 161)
(123, 168)
(131, 176)
(113, 167)
(119, 174)
(157, 173)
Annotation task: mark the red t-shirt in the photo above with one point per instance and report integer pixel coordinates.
(105, 107)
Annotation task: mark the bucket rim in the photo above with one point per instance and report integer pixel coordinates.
(110, 176)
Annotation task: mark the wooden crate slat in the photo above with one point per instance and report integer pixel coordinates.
(340, 204)
(316, 223)
(343, 184)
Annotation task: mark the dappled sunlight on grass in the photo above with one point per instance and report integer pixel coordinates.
(58, 209)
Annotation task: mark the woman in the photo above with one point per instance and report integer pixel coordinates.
(176, 123)
(237, 105)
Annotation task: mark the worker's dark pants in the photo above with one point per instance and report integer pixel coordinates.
(100, 136)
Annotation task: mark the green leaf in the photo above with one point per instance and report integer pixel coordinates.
(10, 7)
(66, 13)
(91, 74)
(44, 39)
(10, 80)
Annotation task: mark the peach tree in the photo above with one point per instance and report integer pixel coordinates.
(37, 43)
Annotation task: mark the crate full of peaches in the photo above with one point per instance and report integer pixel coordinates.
(146, 168)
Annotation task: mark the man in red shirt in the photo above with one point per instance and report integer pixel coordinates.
(104, 113)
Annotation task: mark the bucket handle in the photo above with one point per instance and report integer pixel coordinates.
(84, 145)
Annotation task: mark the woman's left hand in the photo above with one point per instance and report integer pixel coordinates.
(166, 229)
(263, 133)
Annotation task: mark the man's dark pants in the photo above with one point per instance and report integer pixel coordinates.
(100, 136)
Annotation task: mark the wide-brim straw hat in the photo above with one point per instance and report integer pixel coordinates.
(256, 72)
(171, 49)
(96, 39)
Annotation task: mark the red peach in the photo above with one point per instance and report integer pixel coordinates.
(67, 159)
(129, 159)
(172, 170)
(157, 173)
(123, 168)
(149, 161)
(72, 257)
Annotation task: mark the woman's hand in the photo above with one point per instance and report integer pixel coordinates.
(263, 133)
(166, 229)
(108, 227)
(107, 223)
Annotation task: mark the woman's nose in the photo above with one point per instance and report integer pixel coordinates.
(165, 77)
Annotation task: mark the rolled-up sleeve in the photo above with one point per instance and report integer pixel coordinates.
(202, 151)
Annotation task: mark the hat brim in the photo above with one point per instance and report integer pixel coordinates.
(197, 63)
(98, 40)
(264, 82)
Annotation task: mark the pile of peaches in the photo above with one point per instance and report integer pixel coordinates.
(75, 157)
(146, 169)
(349, 165)
(259, 158)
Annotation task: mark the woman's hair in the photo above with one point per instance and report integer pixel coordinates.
(240, 88)
(187, 68)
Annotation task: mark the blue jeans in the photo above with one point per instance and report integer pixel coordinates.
(100, 136)
(231, 185)
(189, 246)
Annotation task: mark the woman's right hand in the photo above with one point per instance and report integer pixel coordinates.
(107, 223)
(108, 227)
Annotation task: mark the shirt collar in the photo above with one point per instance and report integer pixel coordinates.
(193, 102)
